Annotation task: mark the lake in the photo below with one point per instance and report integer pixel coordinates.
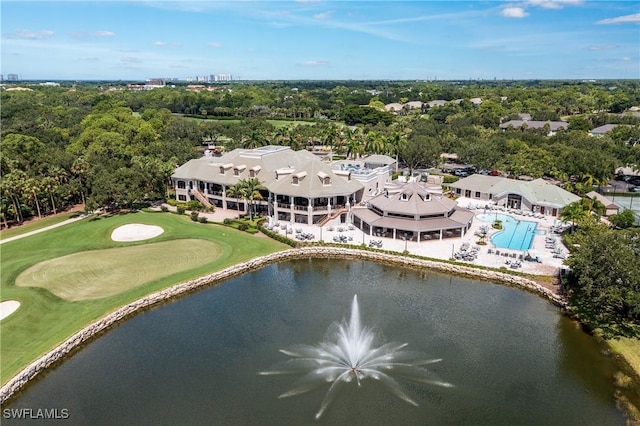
(511, 357)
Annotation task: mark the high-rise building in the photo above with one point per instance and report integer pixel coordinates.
(222, 77)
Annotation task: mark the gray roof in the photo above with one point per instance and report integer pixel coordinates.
(537, 191)
(603, 129)
(437, 102)
(379, 159)
(414, 104)
(424, 225)
(275, 167)
(312, 183)
(413, 199)
(533, 124)
(604, 200)
(393, 107)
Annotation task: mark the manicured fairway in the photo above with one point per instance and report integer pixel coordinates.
(100, 273)
(36, 224)
(44, 320)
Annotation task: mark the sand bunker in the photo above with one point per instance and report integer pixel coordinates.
(8, 307)
(135, 232)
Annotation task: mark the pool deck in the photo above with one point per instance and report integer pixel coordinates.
(444, 249)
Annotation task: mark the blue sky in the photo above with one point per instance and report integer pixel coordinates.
(311, 39)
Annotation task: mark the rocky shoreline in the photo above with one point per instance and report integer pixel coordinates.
(89, 332)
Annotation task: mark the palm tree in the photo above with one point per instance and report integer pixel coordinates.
(33, 187)
(12, 185)
(80, 168)
(237, 191)
(254, 139)
(574, 212)
(252, 187)
(396, 142)
(375, 143)
(50, 185)
(353, 142)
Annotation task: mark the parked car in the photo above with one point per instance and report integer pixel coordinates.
(634, 180)
(634, 188)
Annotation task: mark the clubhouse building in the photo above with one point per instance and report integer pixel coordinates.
(413, 211)
(300, 187)
(537, 196)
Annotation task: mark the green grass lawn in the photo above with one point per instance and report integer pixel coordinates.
(36, 224)
(276, 123)
(44, 320)
(629, 348)
(95, 274)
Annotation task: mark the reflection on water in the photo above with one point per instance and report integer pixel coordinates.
(512, 357)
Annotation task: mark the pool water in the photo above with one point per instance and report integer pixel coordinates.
(515, 235)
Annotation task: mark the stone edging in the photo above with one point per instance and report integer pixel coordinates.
(101, 325)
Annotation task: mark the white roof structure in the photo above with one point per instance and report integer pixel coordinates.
(416, 207)
(280, 169)
(537, 191)
(600, 131)
(554, 126)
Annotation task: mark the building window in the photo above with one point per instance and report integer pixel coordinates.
(490, 196)
(181, 184)
(182, 198)
(326, 181)
(477, 194)
(294, 180)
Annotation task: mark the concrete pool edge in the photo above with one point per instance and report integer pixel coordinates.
(85, 335)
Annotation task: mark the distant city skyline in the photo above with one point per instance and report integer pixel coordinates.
(321, 40)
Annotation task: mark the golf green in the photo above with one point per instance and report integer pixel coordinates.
(100, 273)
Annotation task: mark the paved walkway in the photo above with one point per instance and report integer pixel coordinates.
(445, 249)
(435, 249)
(46, 228)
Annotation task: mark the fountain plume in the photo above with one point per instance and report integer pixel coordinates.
(349, 352)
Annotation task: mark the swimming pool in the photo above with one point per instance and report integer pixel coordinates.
(516, 234)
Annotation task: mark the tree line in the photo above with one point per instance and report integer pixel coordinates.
(105, 145)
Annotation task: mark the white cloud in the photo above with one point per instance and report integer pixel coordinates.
(314, 63)
(132, 60)
(597, 47)
(554, 4)
(214, 44)
(81, 35)
(34, 35)
(514, 12)
(323, 15)
(626, 58)
(635, 18)
(165, 44)
(104, 34)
